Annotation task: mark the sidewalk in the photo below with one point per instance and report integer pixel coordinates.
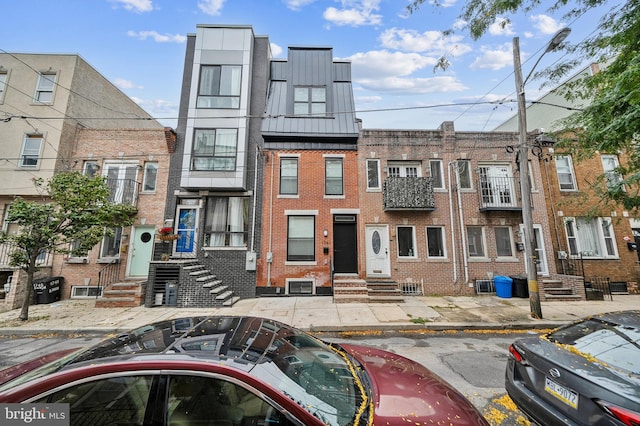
(319, 314)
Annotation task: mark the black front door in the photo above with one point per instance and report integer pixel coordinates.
(345, 246)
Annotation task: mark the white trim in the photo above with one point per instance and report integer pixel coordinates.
(301, 212)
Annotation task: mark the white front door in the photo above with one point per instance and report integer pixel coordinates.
(141, 250)
(377, 242)
(541, 254)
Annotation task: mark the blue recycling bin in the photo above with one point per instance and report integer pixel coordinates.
(504, 286)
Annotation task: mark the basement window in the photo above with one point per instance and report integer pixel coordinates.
(300, 287)
(85, 291)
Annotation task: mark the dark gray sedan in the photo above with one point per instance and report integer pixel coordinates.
(585, 373)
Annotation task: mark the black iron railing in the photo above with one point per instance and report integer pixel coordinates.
(109, 274)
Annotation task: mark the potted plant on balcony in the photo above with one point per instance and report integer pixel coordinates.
(166, 234)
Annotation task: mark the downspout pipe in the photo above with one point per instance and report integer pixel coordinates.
(451, 221)
(463, 234)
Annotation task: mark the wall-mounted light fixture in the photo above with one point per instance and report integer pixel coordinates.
(326, 233)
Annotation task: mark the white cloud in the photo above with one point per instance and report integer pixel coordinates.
(297, 4)
(160, 38)
(382, 63)
(276, 50)
(546, 24)
(429, 41)
(354, 13)
(367, 100)
(138, 6)
(165, 112)
(494, 59)
(413, 86)
(126, 84)
(501, 26)
(210, 7)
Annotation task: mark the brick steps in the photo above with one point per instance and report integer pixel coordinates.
(127, 294)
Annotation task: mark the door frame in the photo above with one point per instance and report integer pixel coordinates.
(383, 234)
(133, 245)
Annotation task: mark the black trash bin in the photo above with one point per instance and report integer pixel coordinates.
(47, 290)
(520, 286)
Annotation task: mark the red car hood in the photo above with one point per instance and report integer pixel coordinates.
(16, 370)
(404, 388)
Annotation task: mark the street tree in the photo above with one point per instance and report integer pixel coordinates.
(72, 216)
(610, 123)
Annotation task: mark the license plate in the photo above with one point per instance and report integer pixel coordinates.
(564, 394)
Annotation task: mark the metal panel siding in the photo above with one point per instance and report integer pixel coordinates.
(342, 71)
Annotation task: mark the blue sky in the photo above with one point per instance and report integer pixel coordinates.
(139, 45)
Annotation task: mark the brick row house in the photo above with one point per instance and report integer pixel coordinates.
(310, 193)
(595, 241)
(58, 114)
(442, 210)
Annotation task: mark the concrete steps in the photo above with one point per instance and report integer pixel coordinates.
(125, 294)
(555, 290)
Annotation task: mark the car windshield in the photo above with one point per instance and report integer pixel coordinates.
(321, 378)
(612, 344)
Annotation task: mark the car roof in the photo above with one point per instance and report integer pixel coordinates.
(245, 339)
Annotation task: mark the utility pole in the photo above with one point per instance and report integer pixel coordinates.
(525, 189)
(531, 264)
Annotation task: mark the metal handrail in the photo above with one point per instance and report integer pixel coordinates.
(108, 275)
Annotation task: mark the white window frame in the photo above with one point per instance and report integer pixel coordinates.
(613, 178)
(45, 88)
(412, 252)
(117, 238)
(289, 177)
(312, 259)
(31, 153)
(150, 177)
(510, 235)
(482, 242)
(334, 178)
(90, 168)
(443, 242)
(436, 168)
(602, 233)
(4, 77)
(404, 169)
(233, 228)
(566, 169)
(120, 191)
(373, 172)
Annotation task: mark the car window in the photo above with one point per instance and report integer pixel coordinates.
(110, 401)
(197, 401)
(611, 344)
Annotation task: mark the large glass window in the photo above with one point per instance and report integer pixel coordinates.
(566, 175)
(435, 242)
(504, 246)
(227, 221)
(373, 173)
(30, 155)
(475, 241)
(301, 238)
(590, 237)
(406, 241)
(289, 176)
(219, 86)
(310, 101)
(214, 150)
(44, 89)
(333, 176)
